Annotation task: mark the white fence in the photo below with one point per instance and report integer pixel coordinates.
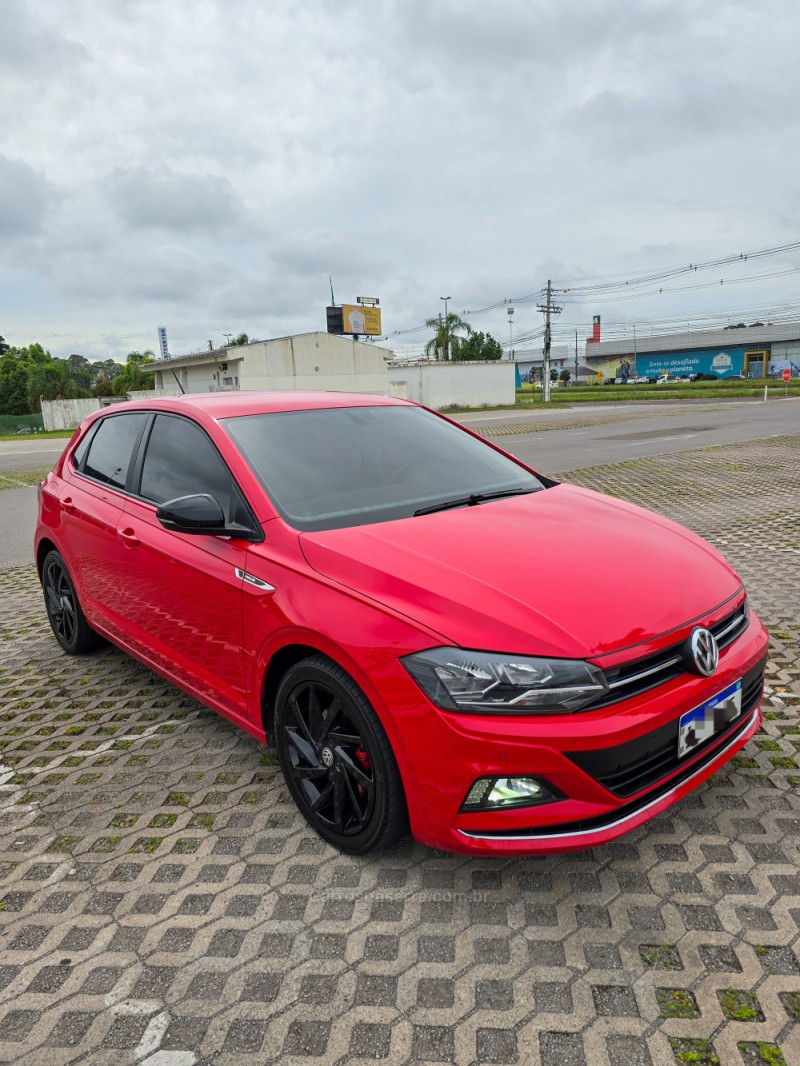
(67, 414)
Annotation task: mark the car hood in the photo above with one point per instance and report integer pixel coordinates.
(565, 572)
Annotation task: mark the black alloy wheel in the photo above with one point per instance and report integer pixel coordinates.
(337, 759)
(64, 613)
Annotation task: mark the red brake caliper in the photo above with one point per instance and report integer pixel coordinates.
(362, 756)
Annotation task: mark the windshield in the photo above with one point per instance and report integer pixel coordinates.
(351, 466)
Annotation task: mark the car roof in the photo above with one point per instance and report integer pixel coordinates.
(232, 404)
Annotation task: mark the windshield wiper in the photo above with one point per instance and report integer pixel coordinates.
(470, 501)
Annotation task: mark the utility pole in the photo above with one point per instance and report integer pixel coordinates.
(446, 334)
(635, 354)
(547, 310)
(576, 358)
(510, 332)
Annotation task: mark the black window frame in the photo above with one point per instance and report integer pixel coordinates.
(137, 466)
(92, 432)
(84, 442)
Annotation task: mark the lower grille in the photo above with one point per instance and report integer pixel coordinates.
(641, 763)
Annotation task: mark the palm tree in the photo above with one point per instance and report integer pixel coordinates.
(446, 341)
(133, 378)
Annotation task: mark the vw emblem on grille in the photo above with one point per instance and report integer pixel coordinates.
(327, 757)
(705, 653)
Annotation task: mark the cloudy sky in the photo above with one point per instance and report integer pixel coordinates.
(208, 164)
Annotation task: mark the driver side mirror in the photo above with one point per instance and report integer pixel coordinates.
(201, 514)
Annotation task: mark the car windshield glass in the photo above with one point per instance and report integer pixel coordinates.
(349, 466)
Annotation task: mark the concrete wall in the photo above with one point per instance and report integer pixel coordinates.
(67, 414)
(440, 385)
(149, 394)
(316, 361)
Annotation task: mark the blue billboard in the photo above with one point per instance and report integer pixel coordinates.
(721, 362)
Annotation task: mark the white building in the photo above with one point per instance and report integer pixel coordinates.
(307, 361)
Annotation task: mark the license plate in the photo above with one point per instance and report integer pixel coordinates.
(697, 725)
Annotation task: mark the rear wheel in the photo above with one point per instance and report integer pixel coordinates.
(336, 758)
(64, 613)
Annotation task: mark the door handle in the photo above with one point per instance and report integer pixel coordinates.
(67, 505)
(128, 537)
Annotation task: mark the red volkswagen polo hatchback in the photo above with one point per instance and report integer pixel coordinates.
(395, 604)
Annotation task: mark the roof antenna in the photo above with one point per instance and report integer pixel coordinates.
(333, 301)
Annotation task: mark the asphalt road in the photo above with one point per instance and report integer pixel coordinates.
(27, 452)
(592, 434)
(631, 431)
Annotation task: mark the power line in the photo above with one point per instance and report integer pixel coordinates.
(601, 289)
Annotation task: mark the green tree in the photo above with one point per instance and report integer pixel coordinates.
(565, 376)
(241, 339)
(49, 380)
(133, 378)
(446, 342)
(13, 384)
(478, 346)
(81, 370)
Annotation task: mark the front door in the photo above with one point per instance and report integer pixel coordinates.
(182, 594)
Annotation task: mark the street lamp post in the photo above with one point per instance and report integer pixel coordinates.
(227, 337)
(446, 334)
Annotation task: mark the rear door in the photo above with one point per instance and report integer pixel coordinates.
(91, 502)
(182, 594)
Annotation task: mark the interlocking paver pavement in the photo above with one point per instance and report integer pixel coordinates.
(162, 902)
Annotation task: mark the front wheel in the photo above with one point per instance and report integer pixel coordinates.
(64, 613)
(336, 758)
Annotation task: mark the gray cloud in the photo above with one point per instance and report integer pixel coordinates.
(160, 198)
(32, 45)
(24, 198)
(208, 164)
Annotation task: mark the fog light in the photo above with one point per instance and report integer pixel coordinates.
(491, 793)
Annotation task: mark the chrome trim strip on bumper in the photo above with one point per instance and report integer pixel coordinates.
(577, 834)
(632, 678)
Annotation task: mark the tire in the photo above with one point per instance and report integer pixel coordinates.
(64, 613)
(336, 758)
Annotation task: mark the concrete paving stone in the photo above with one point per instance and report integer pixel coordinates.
(70, 1029)
(627, 1051)
(307, 1038)
(494, 995)
(552, 997)
(615, 1000)
(376, 990)
(16, 1024)
(434, 992)
(433, 1043)
(556, 1049)
(496, 1045)
(246, 1034)
(720, 958)
(159, 892)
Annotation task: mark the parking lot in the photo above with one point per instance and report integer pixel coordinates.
(162, 902)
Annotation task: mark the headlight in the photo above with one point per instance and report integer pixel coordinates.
(458, 680)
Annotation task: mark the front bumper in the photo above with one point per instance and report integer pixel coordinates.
(448, 752)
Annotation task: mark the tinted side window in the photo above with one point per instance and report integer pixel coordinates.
(112, 446)
(180, 461)
(80, 452)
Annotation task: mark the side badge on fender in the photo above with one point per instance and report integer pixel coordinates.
(259, 584)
